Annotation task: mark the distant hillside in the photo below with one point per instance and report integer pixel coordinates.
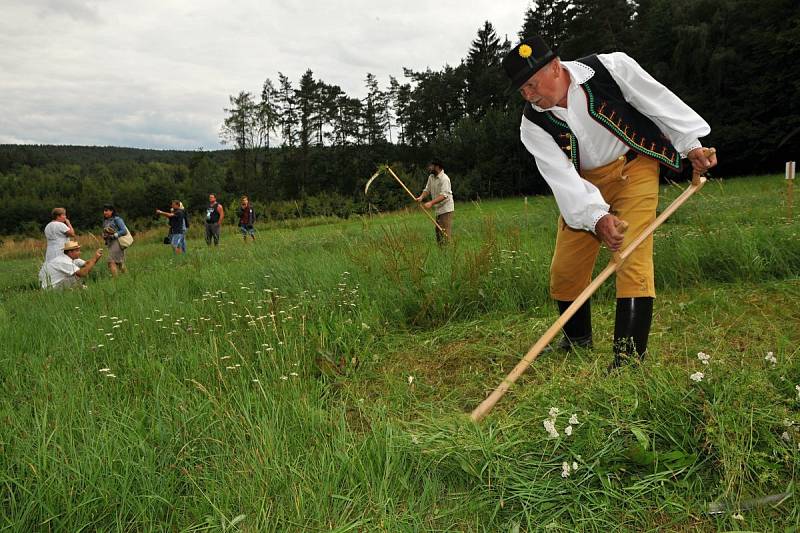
(35, 155)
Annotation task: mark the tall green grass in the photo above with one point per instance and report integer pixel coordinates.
(321, 379)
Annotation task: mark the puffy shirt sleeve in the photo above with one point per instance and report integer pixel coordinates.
(580, 202)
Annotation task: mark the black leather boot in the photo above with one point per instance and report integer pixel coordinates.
(577, 330)
(631, 329)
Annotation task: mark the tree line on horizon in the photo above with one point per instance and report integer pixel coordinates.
(306, 148)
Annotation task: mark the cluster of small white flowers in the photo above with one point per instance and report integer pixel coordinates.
(770, 358)
(550, 423)
(704, 358)
(410, 380)
(550, 427)
(567, 469)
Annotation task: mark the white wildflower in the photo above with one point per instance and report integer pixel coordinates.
(293, 374)
(703, 357)
(574, 466)
(284, 378)
(553, 412)
(109, 375)
(697, 376)
(573, 420)
(568, 431)
(785, 436)
(797, 388)
(414, 439)
(565, 470)
(738, 516)
(410, 380)
(104, 370)
(550, 427)
(770, 357)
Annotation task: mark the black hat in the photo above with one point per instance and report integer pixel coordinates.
(525, 60)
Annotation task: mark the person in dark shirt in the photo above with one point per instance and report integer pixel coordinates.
(177, 226)
(214, 217)
(247, 217)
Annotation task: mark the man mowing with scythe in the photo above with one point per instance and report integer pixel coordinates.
(599, 128)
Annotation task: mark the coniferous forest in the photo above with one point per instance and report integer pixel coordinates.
(305, 148)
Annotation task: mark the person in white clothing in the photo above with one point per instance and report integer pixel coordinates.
(599, 129)
(441, 192)
(57, 232)
(68, 269)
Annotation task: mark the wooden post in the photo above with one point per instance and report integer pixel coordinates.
(789, 188)
(526, 212)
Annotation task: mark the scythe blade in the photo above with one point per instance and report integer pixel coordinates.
(369, 182)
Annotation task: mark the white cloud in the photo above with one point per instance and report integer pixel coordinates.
(158, 73)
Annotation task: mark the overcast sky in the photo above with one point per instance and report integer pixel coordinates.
(158, 73)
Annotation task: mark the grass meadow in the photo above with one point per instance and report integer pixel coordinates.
(321, 377)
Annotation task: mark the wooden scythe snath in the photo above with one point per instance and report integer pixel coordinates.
(483, 409)
(411, 194)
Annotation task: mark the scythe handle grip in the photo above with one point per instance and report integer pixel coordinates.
(696, 175)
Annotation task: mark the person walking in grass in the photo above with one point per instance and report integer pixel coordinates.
(113, 229)
(215, 214)
(247, 217)
(599, 127)
(68, 269)
(439, 189)
(177, 226)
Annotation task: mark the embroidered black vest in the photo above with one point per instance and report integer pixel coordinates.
(608, 107)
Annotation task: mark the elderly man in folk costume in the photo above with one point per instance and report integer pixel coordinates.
(598, 128)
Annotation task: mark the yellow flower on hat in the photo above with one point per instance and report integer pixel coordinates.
(525, 51)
